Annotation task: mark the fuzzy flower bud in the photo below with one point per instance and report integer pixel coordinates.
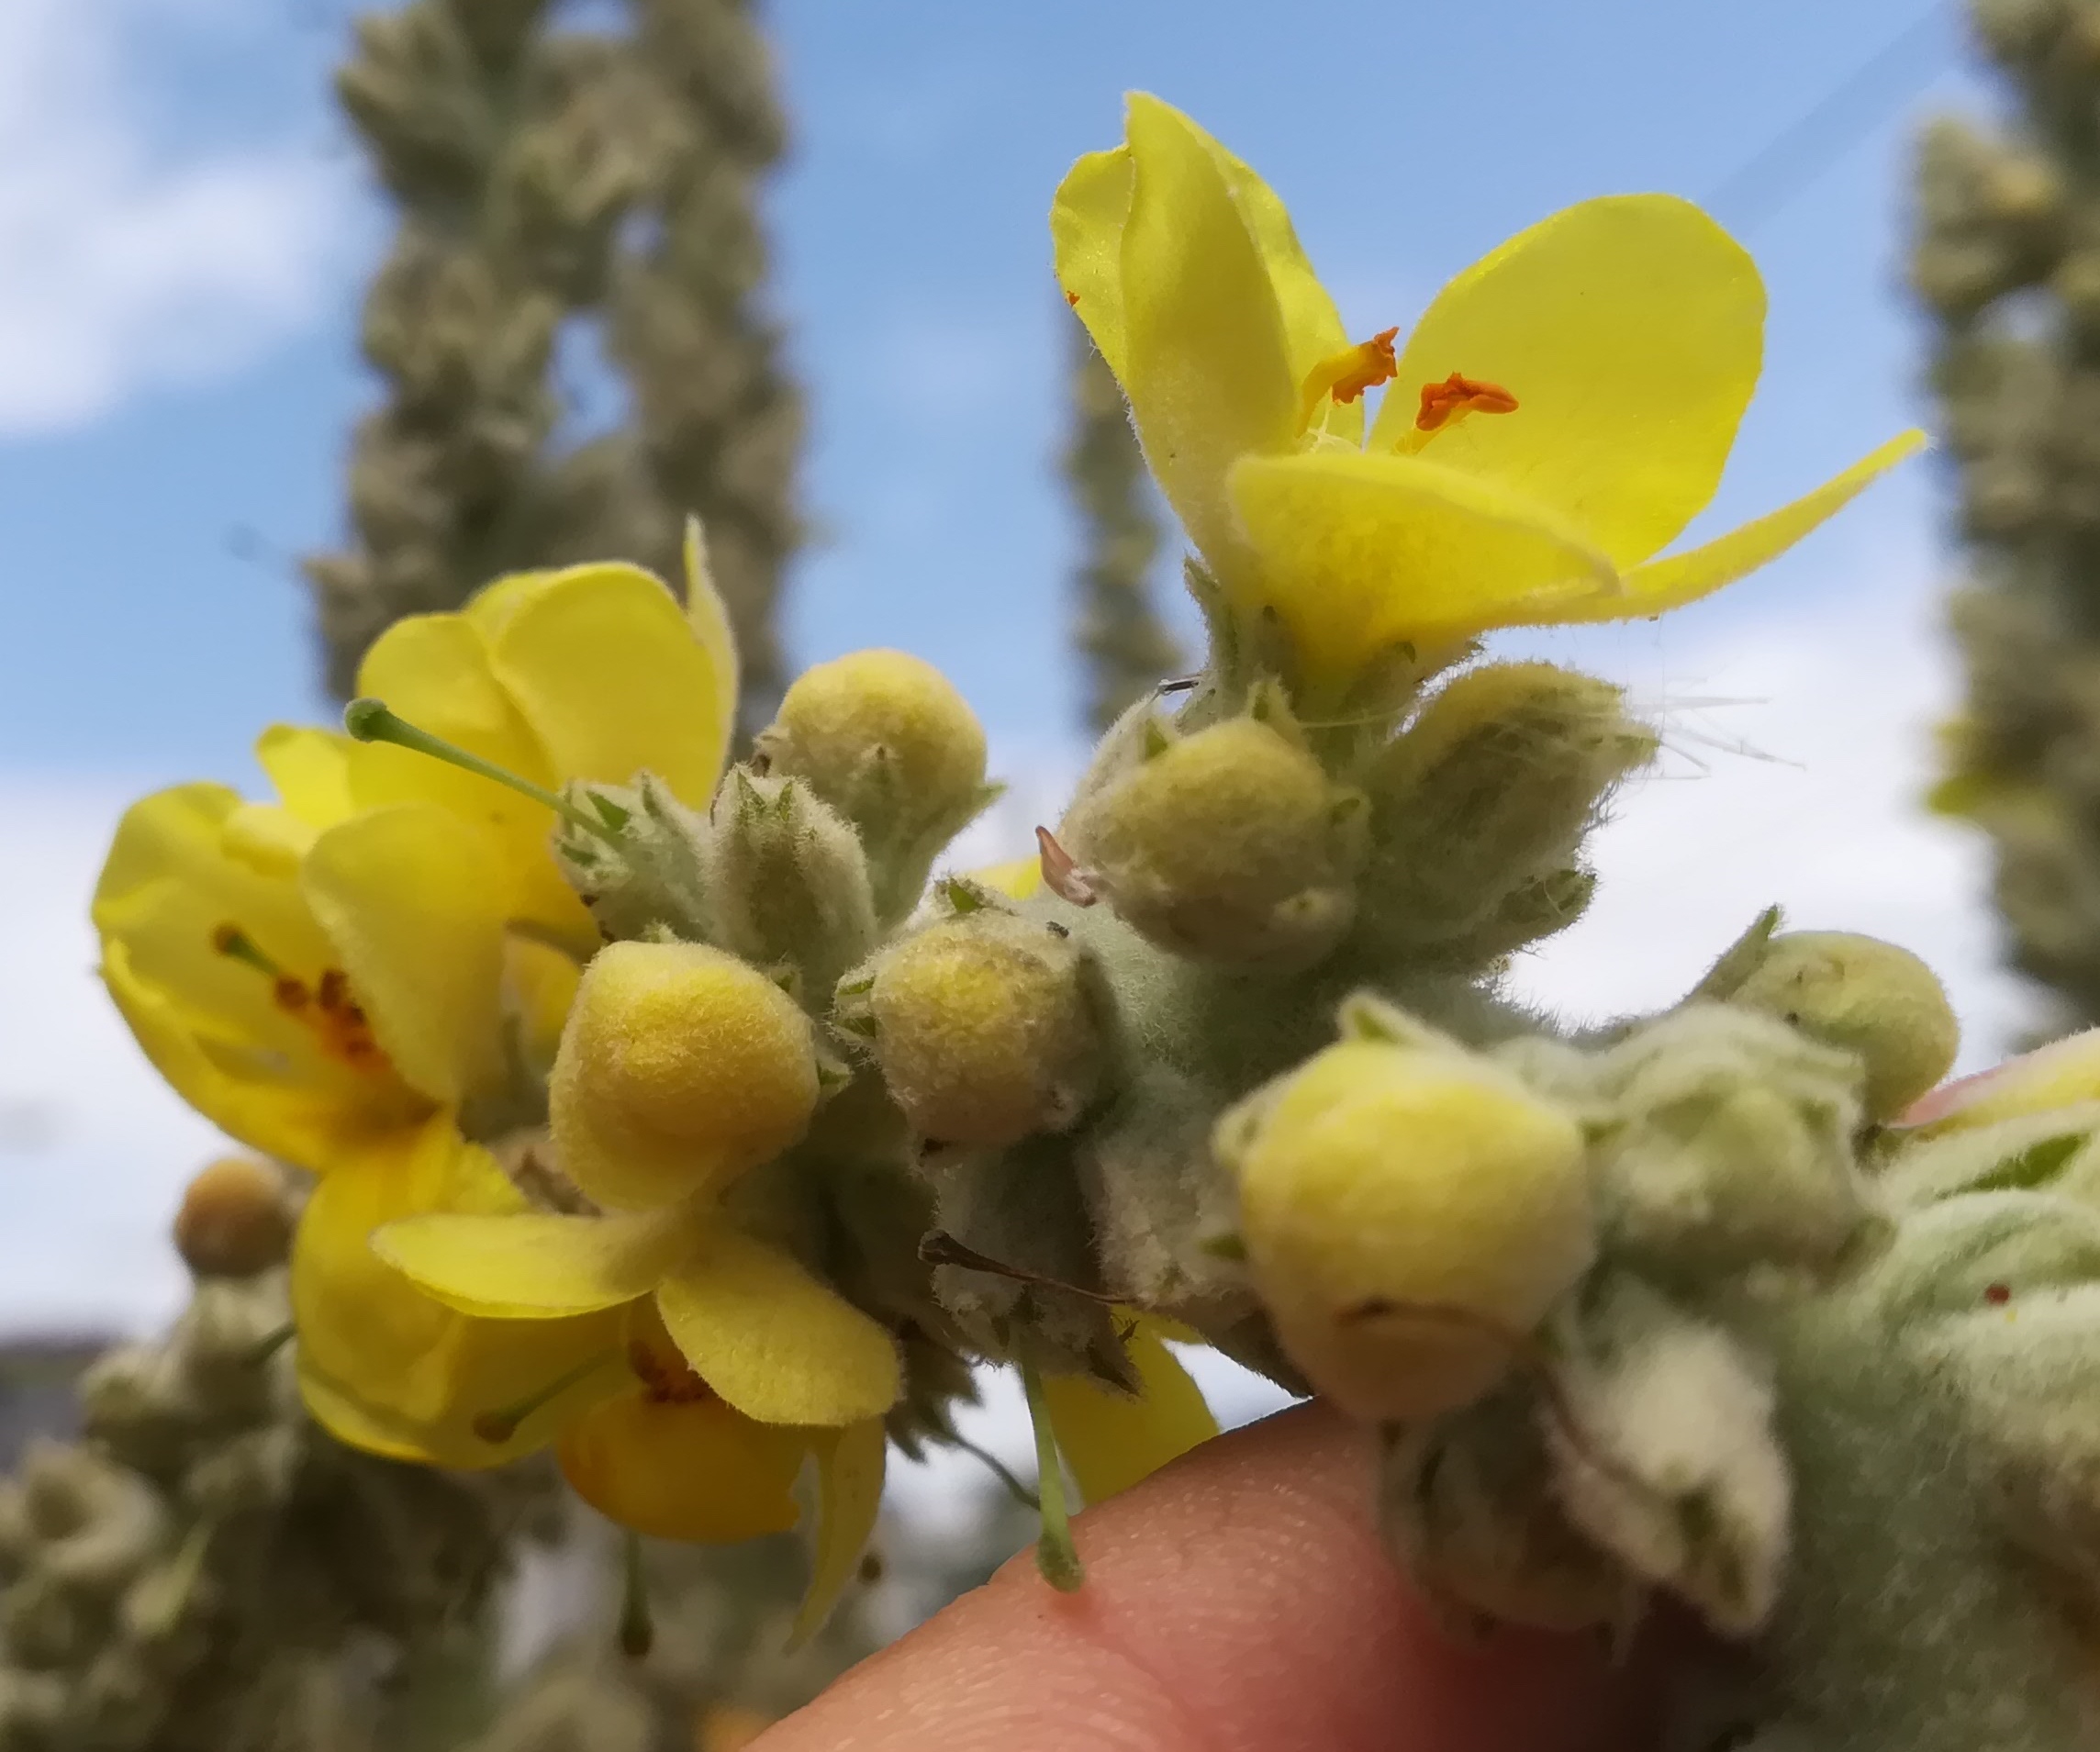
(680, 1068)
(885, 739)
(1865, 997)
(1409, 1213)
(982, 1025)
(1231, 844)
(1479, 807)
(233, 1223)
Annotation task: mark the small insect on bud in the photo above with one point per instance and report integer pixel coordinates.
(1864, 996)
(680, 1068)
(233, 1222)
(1232, 845)
(885, 739)
(1409, 1213)
(982, 1025)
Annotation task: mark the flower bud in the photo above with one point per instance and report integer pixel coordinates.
(791, 883)
(1865, 997)
(982, 1025)
(886, 740)
(1231, 844)
(1488, 791)
(680, 1068)
(1728, 1144)
(233, 1222)
(1409, 1214)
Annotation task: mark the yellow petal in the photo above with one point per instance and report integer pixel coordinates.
(2065, 1073)
(1630, 329)
(269, 841)
(540, 983)
(1112, 1440)
(1017, 880)
(530, 1264)
(1087, 217)
(695, 1471)
(211, 1024)
(1678, 578)
(605, 668)
(1312, 326)
(1206, 368)
(434, 670)
(310, 769)
(1358, 552)
(849, 1495)
(410, 897)
(708, 615)
(306, 1122)
(389, 1367)
(773, 1342)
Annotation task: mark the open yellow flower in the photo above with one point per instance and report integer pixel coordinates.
(1560, 413)
(339, 977)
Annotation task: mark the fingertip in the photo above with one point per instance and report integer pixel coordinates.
(1240, 1601)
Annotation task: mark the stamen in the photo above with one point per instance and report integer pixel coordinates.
(497, 1427)
(1446, 404)
(372, 720)
(1055, 1555)
(666, 1380)
(236, 944)
(270, 1344)
(1347, 375)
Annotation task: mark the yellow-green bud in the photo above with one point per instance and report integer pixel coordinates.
(886, 740)
(982, 1026)
(1864, 996)
(1409, 1214)
(680, 1068)
(1232, 845)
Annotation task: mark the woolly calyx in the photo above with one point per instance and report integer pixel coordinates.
(1478, 809)
(1860, 995)
(791, 886)
(638, 858)
(884, 739)
(1469, 1503)
(1669, 1455)
(1409, 1212)
(1724, 1143)
(983, 1026)
(233, 1222)
(1229, 845)
(680, 1068)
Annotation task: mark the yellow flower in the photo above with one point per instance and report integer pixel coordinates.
(1560, 414)
(335, 978)
(1113, 1440)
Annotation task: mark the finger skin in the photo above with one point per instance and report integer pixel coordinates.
(1239, 1602)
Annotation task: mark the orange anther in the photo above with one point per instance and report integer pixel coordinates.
(1347, 375)
(666, 1380)
(1457, 395)
(291, 994)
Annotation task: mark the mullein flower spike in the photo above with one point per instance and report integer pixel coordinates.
(682, 1120)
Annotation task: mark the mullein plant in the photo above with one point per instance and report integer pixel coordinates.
(687, 1123)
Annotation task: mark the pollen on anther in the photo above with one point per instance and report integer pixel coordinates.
(1072, 298)
(1459, 395)
(291, 994)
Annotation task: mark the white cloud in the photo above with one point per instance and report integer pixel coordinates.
(126, 261)
(95, 1149)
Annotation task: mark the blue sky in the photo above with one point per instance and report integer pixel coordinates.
(184, 232)
(152, 520)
